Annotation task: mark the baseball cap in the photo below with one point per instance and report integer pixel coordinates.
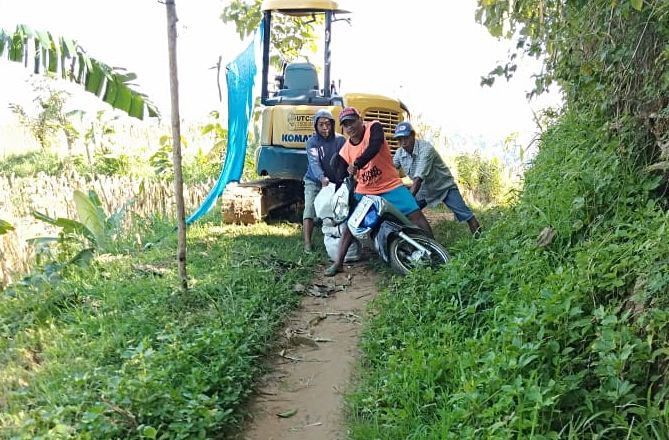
(403, 129)
(348, 113)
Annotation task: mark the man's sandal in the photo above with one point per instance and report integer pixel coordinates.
(332, 270)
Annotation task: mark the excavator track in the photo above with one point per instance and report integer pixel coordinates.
(251, 202)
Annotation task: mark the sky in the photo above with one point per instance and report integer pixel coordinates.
(430, 55)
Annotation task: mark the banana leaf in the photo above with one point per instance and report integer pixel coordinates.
(5, 227)
(51, 54)
(69, 226)
(91, 216)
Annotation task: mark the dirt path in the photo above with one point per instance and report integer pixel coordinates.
(302, 396)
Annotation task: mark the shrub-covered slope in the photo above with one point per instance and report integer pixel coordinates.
(554, 325)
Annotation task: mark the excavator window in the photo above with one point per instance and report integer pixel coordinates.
(299, 86)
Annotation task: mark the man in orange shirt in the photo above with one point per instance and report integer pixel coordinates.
(370, 162)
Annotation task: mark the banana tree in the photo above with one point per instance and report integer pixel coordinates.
(94, 231)
(43, 52)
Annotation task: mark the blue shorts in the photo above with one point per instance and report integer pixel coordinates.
(456, 203)
(400, 197)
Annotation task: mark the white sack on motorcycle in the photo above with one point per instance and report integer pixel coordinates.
(341, 201)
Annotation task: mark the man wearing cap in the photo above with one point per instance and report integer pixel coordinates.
(433, 182)
(321, 147)
(370, 162)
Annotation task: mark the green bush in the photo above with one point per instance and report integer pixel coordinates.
(31, 163)
(112, 164)
(202, 167)
(480, 177)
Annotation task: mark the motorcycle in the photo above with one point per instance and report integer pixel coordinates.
(399, 243)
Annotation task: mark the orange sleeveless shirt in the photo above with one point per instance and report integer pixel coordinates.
(379, 175)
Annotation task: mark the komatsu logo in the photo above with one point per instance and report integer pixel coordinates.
(286, 137)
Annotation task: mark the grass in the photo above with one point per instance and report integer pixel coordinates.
(116, 351)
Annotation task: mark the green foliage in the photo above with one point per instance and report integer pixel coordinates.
(519, 337)
(98, 136)
(609, 56)
(114, 351)
(480, 176)
(39, 162)
(220, 134)
(43, 52)
(290, 35)
(203, 167)
(196, 168)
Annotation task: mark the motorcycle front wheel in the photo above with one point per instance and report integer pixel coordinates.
(404, 257)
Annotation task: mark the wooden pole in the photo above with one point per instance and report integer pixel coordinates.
(176, 142)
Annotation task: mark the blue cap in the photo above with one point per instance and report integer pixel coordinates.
(403, 129)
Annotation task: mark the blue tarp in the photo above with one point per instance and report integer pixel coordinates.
(240, 76)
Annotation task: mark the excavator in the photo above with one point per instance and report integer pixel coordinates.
(287, 118)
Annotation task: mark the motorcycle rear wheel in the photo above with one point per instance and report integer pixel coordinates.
(404, 257)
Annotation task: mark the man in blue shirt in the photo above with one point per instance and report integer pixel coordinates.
(432, 181)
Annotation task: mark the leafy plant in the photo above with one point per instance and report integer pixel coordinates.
(203, 167)
(597, 51)
(109, 163)
(525, 337)
(219, 133)
(98, 134)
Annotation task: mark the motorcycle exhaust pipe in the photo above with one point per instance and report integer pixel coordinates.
(415, 244)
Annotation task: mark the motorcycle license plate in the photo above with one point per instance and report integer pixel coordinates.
(360, 211)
